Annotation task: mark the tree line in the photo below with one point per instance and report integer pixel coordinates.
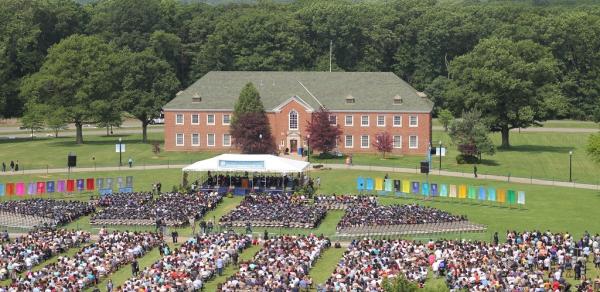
(519, 62)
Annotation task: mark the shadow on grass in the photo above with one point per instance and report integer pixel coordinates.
(105, 141)
(536, 148)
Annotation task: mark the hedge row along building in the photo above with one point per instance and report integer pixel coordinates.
(361, 103)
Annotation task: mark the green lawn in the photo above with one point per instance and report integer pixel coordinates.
(554, 124)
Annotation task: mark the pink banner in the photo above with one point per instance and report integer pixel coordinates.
(41, 187)
(20, 189)
(61, 186)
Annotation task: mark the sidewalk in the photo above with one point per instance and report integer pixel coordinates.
(523, 180)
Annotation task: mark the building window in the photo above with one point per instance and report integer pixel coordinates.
(179, 119)
(195, 139)
(397, 121)
(349, 120)
(195, 119)
(210, 140)
(413, 121)
(364, 141)
(333, 120)
(293, 123)
(380, 121)
(226, 140)
(397, 141)
(349, 141)
(226, 119)
(413, 142)
(210, 119)
(364, 121)
(179, 139)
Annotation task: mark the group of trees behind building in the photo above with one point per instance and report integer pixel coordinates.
(518, 62)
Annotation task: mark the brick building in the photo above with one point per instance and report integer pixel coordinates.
(361, 103)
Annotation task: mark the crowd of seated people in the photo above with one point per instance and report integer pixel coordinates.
(370, 214)
(125, 199)
(29, 250)
(275, 210)
(61, 212)
(342, 202)
(528, 261)
(174, 209)
(86, 267)
(261, 181)
(282, 264)
(190, 265)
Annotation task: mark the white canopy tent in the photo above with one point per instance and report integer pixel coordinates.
(252, 163)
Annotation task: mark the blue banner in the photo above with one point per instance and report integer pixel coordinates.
(80, 185)
(369, 184)
(50, 187)
(234, 164)
(482, 194)
(360, 183)
(415, 187)
(434, 190)
(425, 189)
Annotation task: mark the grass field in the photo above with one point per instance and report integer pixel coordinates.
(554, 124)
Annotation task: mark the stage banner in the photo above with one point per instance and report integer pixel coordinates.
(10, 189)
(521, 198)
(70, 185)
(415, 187)
(369, 184)
(472, 193)
(50, 186)
(100, 183)
(482, 194)
(1, 189)
(378, 184)
(502, 195)
(425, 189)
(452, 191)
(20, 189)
(492, 194)
(388, 185)
(462, 192)
(434, 190)
(406, 186)
(80, 184)
(512, 197)
(360, 183)
(89, 184)
(397, 187)
(41, 187)
(129, 181)
(61, 186)
(31, 188)
(119, 182)
(109, 183)
(443, 190)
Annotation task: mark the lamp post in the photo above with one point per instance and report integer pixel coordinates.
(308, 147)
(571, 166)
(120, 153)
(440, 154)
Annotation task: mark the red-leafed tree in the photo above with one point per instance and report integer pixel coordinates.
(250, 126)
(323, 134)
(383, 143)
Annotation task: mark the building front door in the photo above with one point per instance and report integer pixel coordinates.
(293, 146)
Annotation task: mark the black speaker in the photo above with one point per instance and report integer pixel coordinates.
(424, 167)
(432, 151)
(72, 160)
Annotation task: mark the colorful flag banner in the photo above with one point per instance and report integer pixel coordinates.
(521, 198)
(443, 190)
(89, 184)
(50, 186)
(378, 184)
(452, 191)
(109, 183)
(482, 194)
(369, 184)
(492, 194)
(31, 188)
(10, 189)
(20, 189)
(462, 191)
(100, 183)
(425, 189)
(501, 195)
(70, 185)
(129, 181)
(406, 186)
(119, 182)
(245, 183)
(434, 190)
(61, 186)
(471, 192)
(41, 187)
(388, 185)
(360, 183)
(415, 187)
(512, 197)
(1, 189)
(80, 184)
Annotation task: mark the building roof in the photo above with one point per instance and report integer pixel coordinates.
(248, 162)
(371, 91)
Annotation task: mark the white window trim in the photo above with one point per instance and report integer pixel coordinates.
(290, 120)
(214, 119)
(409, 123)
(346, 140)
(182, 119)
(192, 138)
(361, 121)
(223, 120)
(416, 140)
(346, 121)
(192, 119)
(214, 140)
(368, 141)
(378, 125)
(394, 121)
(182, 139)
(394, 138)
(226, 145)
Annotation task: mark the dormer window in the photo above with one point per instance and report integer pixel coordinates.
(350, 99)
(397, 99)
(196, 98)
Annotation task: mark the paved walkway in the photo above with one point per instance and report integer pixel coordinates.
(522, 180)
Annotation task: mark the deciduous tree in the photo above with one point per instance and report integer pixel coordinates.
(33, 119)
(470, 135)
(445, 117)
(384, 143)
(593, 147)
(323, 135)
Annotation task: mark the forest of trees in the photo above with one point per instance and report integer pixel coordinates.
(543, 55)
